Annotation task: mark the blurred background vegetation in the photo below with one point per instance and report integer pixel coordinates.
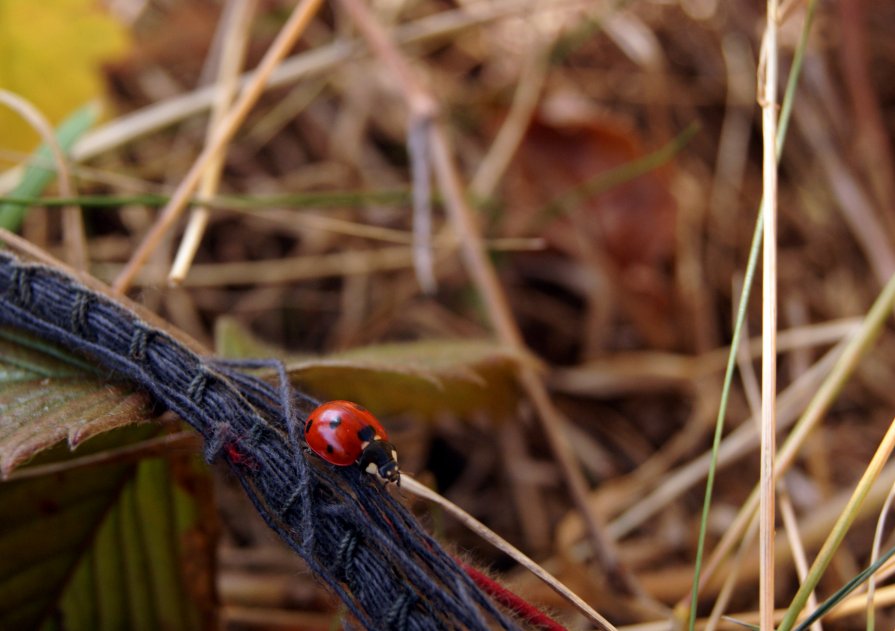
(613, 151)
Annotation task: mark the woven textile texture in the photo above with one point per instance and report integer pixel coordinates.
(349, 529)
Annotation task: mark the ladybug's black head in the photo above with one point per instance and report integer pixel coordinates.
(381, 459)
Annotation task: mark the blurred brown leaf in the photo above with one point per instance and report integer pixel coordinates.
(632, 221)
(570, 185)
(428, 377)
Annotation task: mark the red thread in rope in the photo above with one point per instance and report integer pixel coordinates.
(238, 458)
(515, 603)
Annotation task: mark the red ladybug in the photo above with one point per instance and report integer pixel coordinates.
(344, 433)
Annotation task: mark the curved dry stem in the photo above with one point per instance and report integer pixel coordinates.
(421, 107)
(418, 489)
(72, 225)
(877, 542)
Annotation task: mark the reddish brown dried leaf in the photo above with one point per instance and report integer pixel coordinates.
(632, 221)
(569, 184)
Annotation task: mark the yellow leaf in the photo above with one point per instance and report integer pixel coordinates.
(50, 53)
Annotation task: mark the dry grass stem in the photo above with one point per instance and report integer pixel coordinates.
(733, 139)
(283, 270)
(486, 280)
(642, 503)
(525, 101)
(420, 490)
(732, 577)
(843, 523)
(422, 110)
(877, 542)
(853, 350)
(235, 32)
(73, 236)
(285, 40)
(734, 621)
(751, 386)
(767, 484)
(855, 204)
(739, 443)
(796, 545)
(297, 222)
(422, 106)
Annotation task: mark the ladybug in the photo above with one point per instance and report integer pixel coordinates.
(344, 433)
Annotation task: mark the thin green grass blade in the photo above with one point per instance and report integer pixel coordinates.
(337, 199)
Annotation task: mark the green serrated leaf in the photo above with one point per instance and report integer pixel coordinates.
(46, 524)
(107, 546)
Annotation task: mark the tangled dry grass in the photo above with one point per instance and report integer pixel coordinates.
(619, 240)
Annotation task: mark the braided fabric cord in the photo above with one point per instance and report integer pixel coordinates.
(352, 533)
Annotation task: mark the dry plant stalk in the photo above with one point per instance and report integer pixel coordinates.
(839, 530)
(285, 40)
(73, 236)
(235, 33)
(420, 490)
(422, 108)
(767, 525)
(853, 350)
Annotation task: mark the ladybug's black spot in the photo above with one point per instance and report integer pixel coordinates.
(329, 449)
(308, 426)
(366, 434)
(334, 423)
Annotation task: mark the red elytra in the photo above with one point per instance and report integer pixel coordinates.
(344, 433)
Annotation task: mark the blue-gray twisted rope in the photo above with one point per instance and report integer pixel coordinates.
(389, 572)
